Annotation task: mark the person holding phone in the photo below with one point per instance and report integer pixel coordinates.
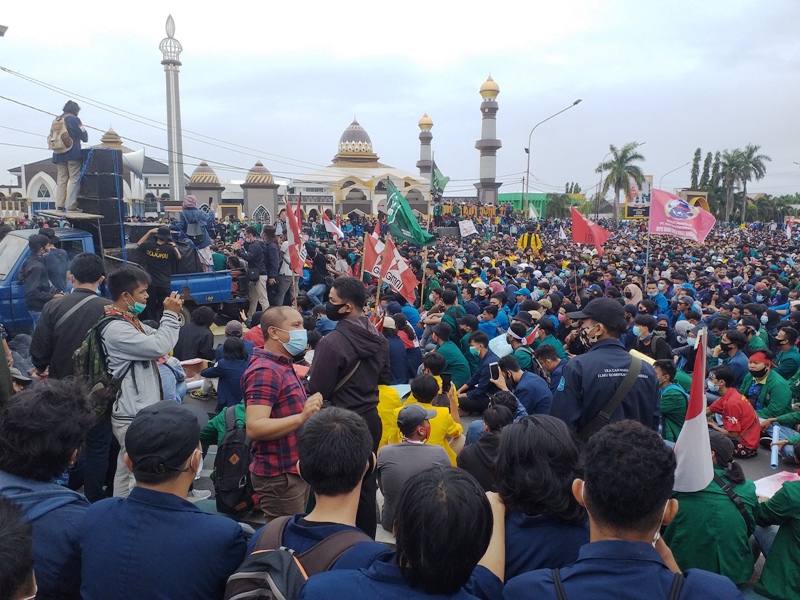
(473, 396)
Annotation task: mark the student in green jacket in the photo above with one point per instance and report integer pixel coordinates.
(750, 327)
(468, 325)
(515, 337)
(780, 578)
(454, 361)
(709, 532)
(213, 431)
(684, 380)
(765, 388)
(546, 337)
(674, 400)
(787, 360)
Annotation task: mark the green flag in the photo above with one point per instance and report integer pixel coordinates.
(438, 182)
(402, 222)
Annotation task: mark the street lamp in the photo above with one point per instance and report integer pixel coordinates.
(600, 184)
(528, 149)
(668, 172)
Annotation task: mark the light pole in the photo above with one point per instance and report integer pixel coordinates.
(599, 185)
(673, 170)
(528, 149)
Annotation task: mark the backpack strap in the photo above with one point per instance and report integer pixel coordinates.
(728, 489)
(347, 377)
(602, 418)
(677, 584)
(324, 554)
(560, 593)
(271, 538)
(230, 419)
(73, 310)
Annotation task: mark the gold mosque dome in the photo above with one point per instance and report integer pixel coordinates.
(425, 123)
(490, 89)
(259, 174)
(204, 175)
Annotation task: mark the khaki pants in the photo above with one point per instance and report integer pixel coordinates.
(282, 495)
(66, 180)
(258, 295)
(124, 481)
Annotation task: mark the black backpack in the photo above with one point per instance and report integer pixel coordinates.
(233, 488)
(274, 572)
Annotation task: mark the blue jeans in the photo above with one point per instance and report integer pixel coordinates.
(474, 431)
(180, 390)
(35, 316)
(95, 466)
(316, 293)
(765, 536)
(785, 433)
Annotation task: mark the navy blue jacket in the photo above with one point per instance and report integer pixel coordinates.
(541, 542)
(556, 375)
(534, 394)
(479, 384)
(398, 361)
(248, 345)
(611, 570)
(55, 513)
(229, 388)
(301, 536)
(272, 258)
(156, 545)
(590, 380)
(78, 135)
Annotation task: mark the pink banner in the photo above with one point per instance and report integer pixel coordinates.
(671, 215)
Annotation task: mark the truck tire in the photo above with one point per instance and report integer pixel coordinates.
(185, 316)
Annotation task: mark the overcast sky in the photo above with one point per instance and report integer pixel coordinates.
(285, 79)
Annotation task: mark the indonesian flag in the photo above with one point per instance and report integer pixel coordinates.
(693, 448)
(331, 227)
(373, 253)
(297, 251)
(585, 231)
(531, 337)
(672, 215)
(396, 272)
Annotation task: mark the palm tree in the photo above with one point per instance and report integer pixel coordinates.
(621, 171)
(730, 171)
(751, 167)
(558, 206)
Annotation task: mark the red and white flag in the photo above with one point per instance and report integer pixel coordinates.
(672, 215)
(585, 231)
(297, 250)
(373, 253)
(331, 227)
(396, 272)
(693, 448)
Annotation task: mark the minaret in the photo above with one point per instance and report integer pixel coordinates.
(424, 164)
(488, 144)
(171, 49)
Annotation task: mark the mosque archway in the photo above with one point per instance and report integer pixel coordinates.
(261, 215)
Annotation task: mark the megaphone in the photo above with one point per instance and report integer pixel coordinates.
(135, 162)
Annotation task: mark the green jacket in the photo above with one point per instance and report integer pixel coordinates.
(523, 357)
(214, 430)
(473, 361)
(550, 340)
(788, 363)
(781, 577)
(674, 402)
(775, 397)
(431, 284)
(455, 363)
(710, 533)
(684, 380)
(756, 343)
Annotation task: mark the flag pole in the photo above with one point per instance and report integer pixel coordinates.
(295, 290)
(430, 192)
(647, 257)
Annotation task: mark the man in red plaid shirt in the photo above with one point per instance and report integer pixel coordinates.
(276, 408)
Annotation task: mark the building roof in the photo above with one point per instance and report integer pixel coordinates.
(259, 174)
(355, 146)
(204, 175)
(489, 89)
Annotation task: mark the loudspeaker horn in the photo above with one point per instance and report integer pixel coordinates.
(135, 162)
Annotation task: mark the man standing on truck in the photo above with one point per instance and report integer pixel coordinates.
(68, 164)
(161, 261)
(132, 349)
(33, 276)
(61, 330)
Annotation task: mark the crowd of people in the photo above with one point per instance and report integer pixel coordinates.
(511, 429)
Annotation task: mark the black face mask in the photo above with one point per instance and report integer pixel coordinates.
(332, 311)
(724, 347)
(628, 295)
(758, 373)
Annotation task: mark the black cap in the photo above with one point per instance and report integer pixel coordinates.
(411, 416)
(607, 311)
(442, 331)
(523, 316)
(161, 437)
(163, 233)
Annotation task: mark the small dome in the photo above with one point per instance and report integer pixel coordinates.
(355, 140)
(259, 174)
(425, 123)
(490, 89)
(204, 175)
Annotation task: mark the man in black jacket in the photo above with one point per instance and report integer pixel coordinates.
(349, 363)
(61, 330)
(253, 252)
(272, 260)
(33, 276)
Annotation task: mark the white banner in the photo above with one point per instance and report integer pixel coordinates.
(467, 227)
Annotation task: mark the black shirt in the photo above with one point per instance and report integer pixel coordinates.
(161, 261)
(319, 269)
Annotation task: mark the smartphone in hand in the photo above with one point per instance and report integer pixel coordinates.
(494, 370)
(447, 381)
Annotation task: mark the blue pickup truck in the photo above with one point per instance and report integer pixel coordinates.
(196, 289)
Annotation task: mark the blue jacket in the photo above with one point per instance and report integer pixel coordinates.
(55, 513)
(155, 545)
(78, 134)
(195, 215)
(412, 315)
(248, 345)
(398, 362)
(590, 380)
(229, 388)
(534, 394)
(324, 325)
(480, 384)
(556, 375)
(611, 570)
(541, 542)
(662, 304)
(301, 537)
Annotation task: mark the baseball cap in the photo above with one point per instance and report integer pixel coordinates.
(18, 375)
(523, 317)
(606, 311)
(233, 329)
(411, 416)
(523, 292)
(388, 323)
(161, 437)
(163, 233)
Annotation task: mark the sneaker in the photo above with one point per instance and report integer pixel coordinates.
(197, 495)
(200, 395)
(765, 441)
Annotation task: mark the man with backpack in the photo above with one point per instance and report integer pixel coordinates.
(132, 350)
(255, 255)
(66, 134)
(319, 538)
(60, 332)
